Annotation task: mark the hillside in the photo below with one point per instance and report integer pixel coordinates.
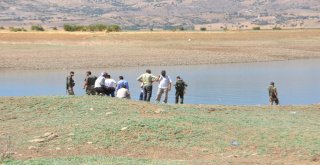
(95, 130)
(164, 14)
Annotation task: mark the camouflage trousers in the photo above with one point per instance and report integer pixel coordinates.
(274, 100)
(70, 91)
(90, 90)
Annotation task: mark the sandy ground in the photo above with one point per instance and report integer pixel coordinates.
(63, 50)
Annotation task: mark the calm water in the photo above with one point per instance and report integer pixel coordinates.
(298, 82)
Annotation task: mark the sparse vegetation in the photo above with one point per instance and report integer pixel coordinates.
(256, 28)
(203, 29)
(92, 28)
(178, 28)
(113, 28)
(276, 28)
(5, 149)
(37, 28)
(54, 28)
(2, 28)
(72, 28)
(14, 29)
(181, 28)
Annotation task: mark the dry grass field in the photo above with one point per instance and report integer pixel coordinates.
(63, 50)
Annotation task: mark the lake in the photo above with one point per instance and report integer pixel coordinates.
(297, 81)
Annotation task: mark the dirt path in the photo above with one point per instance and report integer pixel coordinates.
(61, 50)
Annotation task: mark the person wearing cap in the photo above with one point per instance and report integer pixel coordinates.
(147, 79)
(273, 94)
(99, 85)
(70, 84)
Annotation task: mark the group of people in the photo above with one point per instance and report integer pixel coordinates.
(105, 85)
(165, 85)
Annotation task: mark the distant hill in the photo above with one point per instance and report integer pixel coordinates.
(163, 14)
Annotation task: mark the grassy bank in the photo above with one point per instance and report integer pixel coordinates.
(100, 130)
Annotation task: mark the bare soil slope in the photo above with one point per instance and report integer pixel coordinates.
(61, 50)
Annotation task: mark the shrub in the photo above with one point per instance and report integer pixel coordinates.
(37, 28)
(113, 28)
(181, 28)
(17, 29)
(276, 28)
(72, 28)
(256, 28)
(92, 28)
(2, 28)
(54, 28)
(203, 29)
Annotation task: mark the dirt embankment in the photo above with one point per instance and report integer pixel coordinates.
(62, 50)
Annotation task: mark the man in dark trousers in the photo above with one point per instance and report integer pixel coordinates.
(89, 84)
(147, 79)
(70, 83)
(273, 94)
(180, 89)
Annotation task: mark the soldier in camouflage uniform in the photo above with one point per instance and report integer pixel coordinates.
(89, 84)
(180, 89)
(273, 94)
(70, 83)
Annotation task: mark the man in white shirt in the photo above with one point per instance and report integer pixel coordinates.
(123, 92)
(111, 86)
(164, 86)
(99, 85)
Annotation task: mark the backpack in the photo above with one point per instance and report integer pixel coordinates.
(91, 80)
(180, 85)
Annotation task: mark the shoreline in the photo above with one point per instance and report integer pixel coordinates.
(151, 66)
(264, 106)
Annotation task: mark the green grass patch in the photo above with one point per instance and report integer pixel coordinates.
(137, 127)
(96, 160)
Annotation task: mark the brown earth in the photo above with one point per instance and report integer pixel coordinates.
(62, 50)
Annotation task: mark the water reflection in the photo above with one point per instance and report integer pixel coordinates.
(298, 82)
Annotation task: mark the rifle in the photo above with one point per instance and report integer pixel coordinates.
(67, 85)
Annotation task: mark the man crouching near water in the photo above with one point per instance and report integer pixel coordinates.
(99, 85)
(123, 92)
(273, 94)
(147, 79)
